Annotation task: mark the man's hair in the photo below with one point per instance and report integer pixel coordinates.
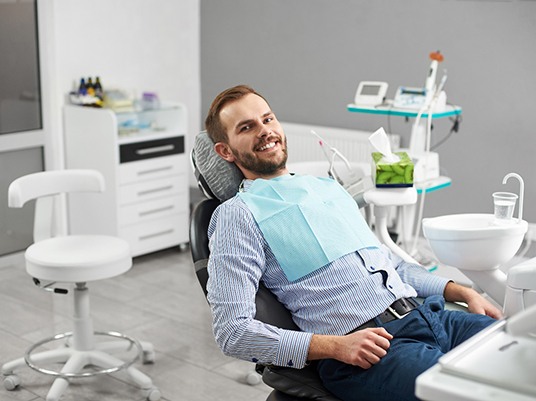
(215, 128)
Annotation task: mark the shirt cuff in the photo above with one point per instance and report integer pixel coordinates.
(433, 285)
(293, 349)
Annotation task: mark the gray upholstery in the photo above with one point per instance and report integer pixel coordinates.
(216, 177)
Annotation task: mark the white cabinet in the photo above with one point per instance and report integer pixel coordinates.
(142, 156)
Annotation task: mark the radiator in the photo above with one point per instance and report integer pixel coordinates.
(353, 144)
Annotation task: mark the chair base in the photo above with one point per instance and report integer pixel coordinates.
(75, 361)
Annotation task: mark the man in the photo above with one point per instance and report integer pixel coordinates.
(338, 286)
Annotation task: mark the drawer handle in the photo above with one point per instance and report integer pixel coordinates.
(153, 190)
(155, 149)
(158, 234)
(160, 209)
(155, 170)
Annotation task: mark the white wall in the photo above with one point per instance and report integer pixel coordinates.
(136, 45)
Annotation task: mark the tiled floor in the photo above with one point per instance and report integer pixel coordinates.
(158, 300)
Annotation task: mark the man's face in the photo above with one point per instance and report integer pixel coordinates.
(257, 144)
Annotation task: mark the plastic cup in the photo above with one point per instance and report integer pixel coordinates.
(504, 204)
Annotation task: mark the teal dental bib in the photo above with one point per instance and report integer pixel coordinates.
(307, 221)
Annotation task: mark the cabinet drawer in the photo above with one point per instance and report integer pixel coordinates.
(132, 152)
(147, 190)
(152, 169)
(156, 234)
(154, 209)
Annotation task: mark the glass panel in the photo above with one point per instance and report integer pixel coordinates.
(20, 105)
(16, 225)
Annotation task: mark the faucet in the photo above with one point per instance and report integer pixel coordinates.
(521, 191)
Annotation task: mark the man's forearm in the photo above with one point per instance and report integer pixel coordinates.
(362, 348)
(476, 303)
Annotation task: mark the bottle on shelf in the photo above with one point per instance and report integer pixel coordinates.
(90, 87)
(98, 88)
(82, 89)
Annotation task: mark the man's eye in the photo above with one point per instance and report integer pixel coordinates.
(245, 128)
(269, 120)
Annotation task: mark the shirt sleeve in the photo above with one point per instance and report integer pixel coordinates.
(236, 265)
(424, 282)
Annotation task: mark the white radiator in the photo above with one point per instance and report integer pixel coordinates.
(353, 144)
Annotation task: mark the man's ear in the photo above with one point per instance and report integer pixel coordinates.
(224, 151)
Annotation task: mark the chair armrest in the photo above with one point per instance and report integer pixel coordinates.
(301, 383)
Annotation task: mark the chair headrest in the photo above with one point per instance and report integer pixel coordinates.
(217, 178)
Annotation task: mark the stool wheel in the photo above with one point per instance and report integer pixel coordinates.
(253, 378)
(148, 357)
(153, 394)
(11, 382)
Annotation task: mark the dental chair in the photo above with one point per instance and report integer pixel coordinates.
(64, 264)
(219, 180)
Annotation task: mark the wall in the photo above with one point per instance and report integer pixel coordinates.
(135, 45)
(307, 57)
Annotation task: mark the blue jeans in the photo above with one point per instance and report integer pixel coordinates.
(420, 339)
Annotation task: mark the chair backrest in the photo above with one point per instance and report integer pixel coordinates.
(217, 178)
(46, 187)
(269, 309)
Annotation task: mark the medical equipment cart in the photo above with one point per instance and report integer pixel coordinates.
(142, 157)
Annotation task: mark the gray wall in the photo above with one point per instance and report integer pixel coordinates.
(307, 57)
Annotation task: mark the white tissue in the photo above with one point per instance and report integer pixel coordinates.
(380, 142)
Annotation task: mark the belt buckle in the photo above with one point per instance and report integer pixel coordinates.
(396, 314)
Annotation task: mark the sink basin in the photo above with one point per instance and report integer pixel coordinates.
(473, 241)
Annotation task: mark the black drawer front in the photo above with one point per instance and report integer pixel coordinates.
(150, 149)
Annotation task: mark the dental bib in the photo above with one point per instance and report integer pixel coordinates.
(307, 221)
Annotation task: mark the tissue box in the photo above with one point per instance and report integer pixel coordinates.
(392, 175)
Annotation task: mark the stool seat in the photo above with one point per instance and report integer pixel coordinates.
(78, 258)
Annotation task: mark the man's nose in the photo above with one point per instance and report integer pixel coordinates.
(263, 131)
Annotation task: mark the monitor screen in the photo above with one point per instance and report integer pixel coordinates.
(20, 105)
(371, 90)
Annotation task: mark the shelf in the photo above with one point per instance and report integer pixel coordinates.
(164, 107)
(433, 185)
(390, 110)
(145, 135)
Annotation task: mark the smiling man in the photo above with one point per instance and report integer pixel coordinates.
(257, 144)
(306, 241)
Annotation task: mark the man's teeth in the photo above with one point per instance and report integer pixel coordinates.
(268, 146)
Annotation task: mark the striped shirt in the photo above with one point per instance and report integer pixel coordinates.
(334, 299)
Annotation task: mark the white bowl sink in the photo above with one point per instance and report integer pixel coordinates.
(473, 241)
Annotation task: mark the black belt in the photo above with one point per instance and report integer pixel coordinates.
(397, 310)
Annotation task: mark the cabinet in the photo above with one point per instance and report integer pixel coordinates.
(143, 160)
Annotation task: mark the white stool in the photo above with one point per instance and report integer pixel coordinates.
(76, 260)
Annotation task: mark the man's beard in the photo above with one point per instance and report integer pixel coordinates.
(261, 167)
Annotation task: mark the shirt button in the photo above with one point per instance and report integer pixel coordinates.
(390, 286)
(372, 268)
(289, 363)
(254, 360)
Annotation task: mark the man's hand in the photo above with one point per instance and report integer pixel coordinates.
(476, 303)
(362, 348)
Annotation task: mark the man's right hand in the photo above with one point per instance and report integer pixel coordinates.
(362, 348)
